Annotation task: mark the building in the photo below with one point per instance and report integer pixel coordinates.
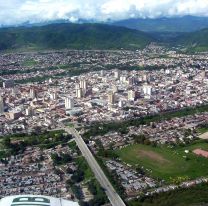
(33, 93)
(115, 89)
(8, 83)
(35, 200)
(123, 79)
(1, 105)
(117, 74)
(83, 84)
(14, 114)
(69, 103)
(79, 93)
(102, 73)
(29, 111)
(131, 95)
(121, 103)
(111, 98)
(131, 80)
(147, 89)
(53, 96)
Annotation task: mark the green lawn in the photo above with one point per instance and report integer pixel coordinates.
(202, 130)
(29, 62)
(167, 163)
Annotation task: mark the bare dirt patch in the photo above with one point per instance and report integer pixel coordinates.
(204, 135)
(153, 156)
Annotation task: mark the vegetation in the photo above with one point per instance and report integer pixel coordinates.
(195, 42)
(29, 62)
(84, 174)
(101, 129)
(17, 143)
(112, 177)
(196, 195)
(72, 36)
(202, 128)
(61, 159)
(169, 163)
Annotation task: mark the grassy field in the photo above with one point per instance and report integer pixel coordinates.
(167, 163)
(202, 130)
(29, 62)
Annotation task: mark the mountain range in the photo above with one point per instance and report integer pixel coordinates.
(72, 36)
(95, 36)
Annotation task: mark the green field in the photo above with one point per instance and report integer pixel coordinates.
(165, 162)
(29, 63)
(202, 130)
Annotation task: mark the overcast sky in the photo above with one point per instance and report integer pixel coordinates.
(19, 11)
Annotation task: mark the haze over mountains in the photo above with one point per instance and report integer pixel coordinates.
(165, 24)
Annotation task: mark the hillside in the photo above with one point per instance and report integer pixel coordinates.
(174, 24)
(196, 41)
(72, 36)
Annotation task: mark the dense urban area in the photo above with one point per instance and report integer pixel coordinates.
(143, 115)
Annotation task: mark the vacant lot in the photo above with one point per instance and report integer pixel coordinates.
(165, 162)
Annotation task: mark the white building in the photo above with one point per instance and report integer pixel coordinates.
(131, 95)
(33, 93)
(111, 98)
(83, 84)
(147, 89)
(53, 96)
(117, 74)
(79, 93)
(69, 103)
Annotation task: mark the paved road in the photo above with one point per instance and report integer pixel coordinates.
(99, 174)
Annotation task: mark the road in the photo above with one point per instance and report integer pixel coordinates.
(112, 195)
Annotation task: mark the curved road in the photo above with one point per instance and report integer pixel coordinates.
(114, 198)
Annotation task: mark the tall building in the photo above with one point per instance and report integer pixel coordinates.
(77, 86)
(131, 95)
(83, 84)
(79, 93)
(121, 103)
(53, 96)
(111, 98)
(29, 111)
(102, 73)
(1, 106)
(33, 93)
(147, 89)
(131, 80)
(123, 79)
(115, 89)
(69, 103)
(117, 74)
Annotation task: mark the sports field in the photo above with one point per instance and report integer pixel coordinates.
(165, 162)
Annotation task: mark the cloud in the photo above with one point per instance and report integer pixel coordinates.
(19, 11)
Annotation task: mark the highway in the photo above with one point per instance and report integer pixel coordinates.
(112, 195)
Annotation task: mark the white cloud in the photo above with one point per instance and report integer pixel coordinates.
(18, 11)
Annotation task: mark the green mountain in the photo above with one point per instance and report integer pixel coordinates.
(72, 36)
(195, 41)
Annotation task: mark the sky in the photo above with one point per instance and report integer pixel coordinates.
(19, 11)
